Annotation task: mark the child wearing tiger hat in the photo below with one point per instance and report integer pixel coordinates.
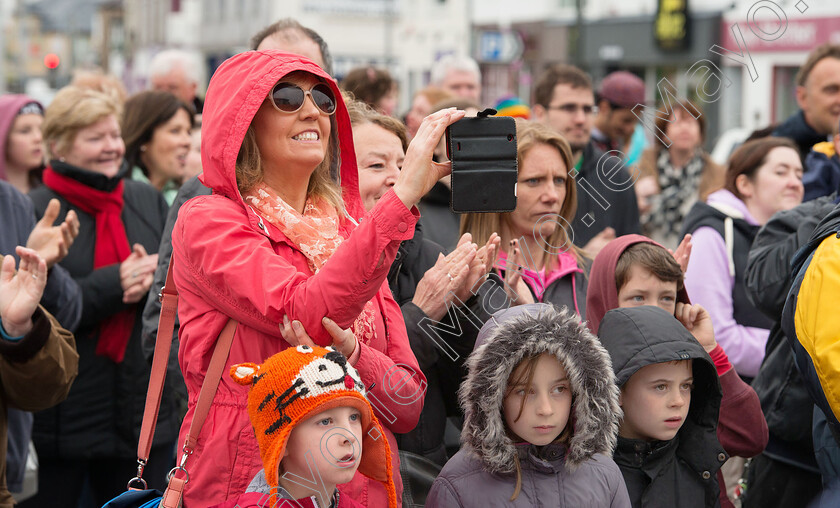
(315, 429)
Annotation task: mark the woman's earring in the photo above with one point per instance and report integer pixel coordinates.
(142, 148)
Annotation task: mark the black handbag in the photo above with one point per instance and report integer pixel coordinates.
(418, 473)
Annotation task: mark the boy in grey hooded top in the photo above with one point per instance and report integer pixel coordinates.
(680, 471)
(578, 474)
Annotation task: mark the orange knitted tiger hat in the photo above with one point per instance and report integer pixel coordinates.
(300, 382)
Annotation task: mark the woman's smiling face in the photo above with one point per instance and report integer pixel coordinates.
(291, 141)
(99, 147)
(380, 155)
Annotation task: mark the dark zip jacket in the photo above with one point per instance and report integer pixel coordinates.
(798, 130)
(601, 197)
(102, 415)
(786, 404)
(680, 472)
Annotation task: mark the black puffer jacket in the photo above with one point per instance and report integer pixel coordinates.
(443, 372)
(102, 414)
(786, 404)
(680, 472)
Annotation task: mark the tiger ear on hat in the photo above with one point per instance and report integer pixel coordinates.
(243, 373)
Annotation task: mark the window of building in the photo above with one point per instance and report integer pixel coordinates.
(784, 93)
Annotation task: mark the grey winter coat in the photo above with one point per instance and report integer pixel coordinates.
(483, 474)
(681, 472)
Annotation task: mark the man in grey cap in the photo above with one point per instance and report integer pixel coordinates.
(620, 91)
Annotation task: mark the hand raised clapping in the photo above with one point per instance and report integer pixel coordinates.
(21, 291)
(53, 242)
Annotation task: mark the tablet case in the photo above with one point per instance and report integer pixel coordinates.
(484, 166)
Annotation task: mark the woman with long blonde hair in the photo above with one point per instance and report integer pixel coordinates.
(538, 260)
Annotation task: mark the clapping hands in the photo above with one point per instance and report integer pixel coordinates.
(21, 291)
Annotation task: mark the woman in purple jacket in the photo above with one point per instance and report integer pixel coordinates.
(764, 177)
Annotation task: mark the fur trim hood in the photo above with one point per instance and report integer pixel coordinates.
(507, 338)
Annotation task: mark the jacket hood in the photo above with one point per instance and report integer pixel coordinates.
(514, 334)
(10, 105)
(235, 93)
(602, 294)
(640, 336)
(829, 224)
(730, 205)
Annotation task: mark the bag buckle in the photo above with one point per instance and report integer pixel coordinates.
(141, 465)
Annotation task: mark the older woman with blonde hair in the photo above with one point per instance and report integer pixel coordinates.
(538, 260)
(93, 434)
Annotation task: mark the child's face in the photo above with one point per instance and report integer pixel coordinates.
(547, 403)
(655, 401)
(333, 439)
(645, 288)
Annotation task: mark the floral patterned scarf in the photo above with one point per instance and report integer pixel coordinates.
(314, 233)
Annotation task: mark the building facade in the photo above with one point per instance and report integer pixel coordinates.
(404, 37)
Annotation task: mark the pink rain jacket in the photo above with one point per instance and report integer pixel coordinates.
(231, 264)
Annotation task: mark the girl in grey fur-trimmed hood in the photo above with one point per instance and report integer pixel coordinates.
(542, 417)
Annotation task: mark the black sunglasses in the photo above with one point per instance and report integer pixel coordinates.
(288, 97)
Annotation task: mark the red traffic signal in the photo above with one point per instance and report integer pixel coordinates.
(51, 60)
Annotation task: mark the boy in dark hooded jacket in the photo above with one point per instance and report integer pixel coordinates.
(668, 450)
(742, 429)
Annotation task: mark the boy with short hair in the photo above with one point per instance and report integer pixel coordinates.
(314, 427)
(667, 451)
(633, 270)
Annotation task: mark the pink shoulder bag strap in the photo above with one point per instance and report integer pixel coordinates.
(163, 343)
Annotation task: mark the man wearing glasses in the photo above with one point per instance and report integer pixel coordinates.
(606, 204)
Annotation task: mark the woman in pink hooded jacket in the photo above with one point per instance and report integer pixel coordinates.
(284, 238)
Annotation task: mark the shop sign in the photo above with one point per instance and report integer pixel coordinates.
(353, 7)
(499, 47)
(794, 34)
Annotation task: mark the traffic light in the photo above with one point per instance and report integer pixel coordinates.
(51, 61)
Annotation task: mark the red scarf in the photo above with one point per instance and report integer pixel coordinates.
(111, 247)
